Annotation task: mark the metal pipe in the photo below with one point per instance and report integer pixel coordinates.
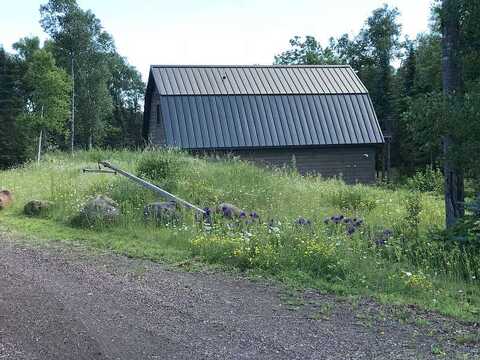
(150, 186)
(101, 171)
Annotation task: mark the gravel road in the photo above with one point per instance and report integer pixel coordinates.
(66, 302)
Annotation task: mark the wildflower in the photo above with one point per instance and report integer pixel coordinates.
(227, 211)
(302, 221)
(242, 214)
(337, 218)
(357, 222)
(350, 230)
(254, 215)
(387, 233)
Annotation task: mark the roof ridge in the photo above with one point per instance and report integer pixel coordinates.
(255, 79)
(247, 66)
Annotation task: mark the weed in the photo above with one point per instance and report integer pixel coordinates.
(468, 339)
(288, 239)
(427, 180)
(437, 349)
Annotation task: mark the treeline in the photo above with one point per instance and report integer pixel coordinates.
(76, 75)
(408, 96)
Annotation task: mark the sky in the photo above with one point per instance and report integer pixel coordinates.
(224, 32)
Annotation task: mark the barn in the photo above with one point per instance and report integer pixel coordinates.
(317, 118)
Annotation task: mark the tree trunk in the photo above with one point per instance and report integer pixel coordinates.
(452, 84)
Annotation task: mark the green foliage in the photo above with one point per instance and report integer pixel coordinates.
(466, 233)
(414, 207)
(427, 180)
(35, 90)
(48, 93)
(352, 198)
(272, 252)
(306, 52)
(398, 235)
(107, 89)
(161, 167)
(11, 105)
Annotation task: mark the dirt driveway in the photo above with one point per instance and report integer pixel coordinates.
(64, 302)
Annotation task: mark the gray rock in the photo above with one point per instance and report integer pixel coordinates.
(161, 212)
(37, 207)
(229, 211)
(100, 208)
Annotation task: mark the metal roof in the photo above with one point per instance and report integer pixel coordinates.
(262, 106)
(201, 122)
(256, 80)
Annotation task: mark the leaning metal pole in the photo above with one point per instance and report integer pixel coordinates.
(150, 186)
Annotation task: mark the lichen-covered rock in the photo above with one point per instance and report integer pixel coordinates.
(6, 198)
(161, 212)
(230, 211)
(37, 207)
(100, 209)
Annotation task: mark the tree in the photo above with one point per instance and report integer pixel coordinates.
(124, 126)
(11, 149)
(81, 45)
(306, 52)
(428, 76)
(452, 86)
(47, 99)
(380, 38)
(26, 47)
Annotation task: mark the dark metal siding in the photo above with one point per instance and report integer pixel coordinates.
(256, 80)
(352, 164)
(212, 122)
(156, 125)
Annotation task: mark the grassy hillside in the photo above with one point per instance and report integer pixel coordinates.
(388, 249)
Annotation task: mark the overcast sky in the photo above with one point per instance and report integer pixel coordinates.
(214, 31)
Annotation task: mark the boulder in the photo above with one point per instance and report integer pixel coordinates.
(229, 211)
(6, 198)
(161, 212)
(100, 209)
(37, 207)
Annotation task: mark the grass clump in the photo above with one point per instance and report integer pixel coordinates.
(356, 240)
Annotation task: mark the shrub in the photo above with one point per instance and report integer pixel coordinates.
(414, 208)
(355, 198)
(320, 258)
(217, 248)
(427, 180)
(162, 167)
(417, 281)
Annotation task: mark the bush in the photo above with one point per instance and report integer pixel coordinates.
(161, 167)
(414, 208)
(355, 198)
(467, 231)
(427, 180)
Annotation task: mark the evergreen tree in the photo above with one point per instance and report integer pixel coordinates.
(11, 145)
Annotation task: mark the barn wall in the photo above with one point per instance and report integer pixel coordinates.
(353, 164)
(157, 126)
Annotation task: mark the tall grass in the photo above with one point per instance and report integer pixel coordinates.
(392, 255)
